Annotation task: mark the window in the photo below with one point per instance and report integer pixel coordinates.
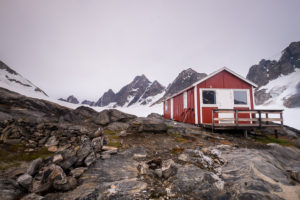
(185, 100)
(209, 97)
(166, 105)
(240, 97)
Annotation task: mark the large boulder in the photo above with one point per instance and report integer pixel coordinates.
(112, 115)
(147, 125)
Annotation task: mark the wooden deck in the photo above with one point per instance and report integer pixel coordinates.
(254, 119)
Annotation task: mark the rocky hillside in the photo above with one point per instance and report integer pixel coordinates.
(70, 99)
(48, 151)
(140, 91)
(12, 80)
(269, 76)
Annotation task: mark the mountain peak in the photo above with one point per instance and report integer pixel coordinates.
(70, 99)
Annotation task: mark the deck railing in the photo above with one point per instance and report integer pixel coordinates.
(255, 118)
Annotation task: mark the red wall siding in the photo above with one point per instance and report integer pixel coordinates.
(190, 111)
(207, 114)
(178, 113)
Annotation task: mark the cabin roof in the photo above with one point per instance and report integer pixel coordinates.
(211, 75)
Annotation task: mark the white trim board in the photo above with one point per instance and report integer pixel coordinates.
(195, 105)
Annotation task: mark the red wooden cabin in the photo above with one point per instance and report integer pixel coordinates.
(223, 89)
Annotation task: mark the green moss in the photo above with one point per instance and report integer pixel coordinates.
(109, 132)
(115, 144)
(13, 155)
(270, 139)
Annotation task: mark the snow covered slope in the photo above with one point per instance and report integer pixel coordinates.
(280, 90)
(13, 81)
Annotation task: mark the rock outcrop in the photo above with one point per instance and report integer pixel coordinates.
(70, 99)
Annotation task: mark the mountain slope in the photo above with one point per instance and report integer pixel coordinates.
(139, 91)
(278, 79)
(13, 81)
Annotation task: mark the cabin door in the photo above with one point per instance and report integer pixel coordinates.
(225, 101)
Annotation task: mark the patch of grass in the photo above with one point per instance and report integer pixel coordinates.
(181, 139)
(169, 126)
(109, 132)
(177, 150)
(270, 139)
(115, 144)
(12, 155)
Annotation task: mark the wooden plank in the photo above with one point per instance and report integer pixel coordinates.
(224, 119)
(248, 119)
(271, 119)
(224, 111)
(248, 112)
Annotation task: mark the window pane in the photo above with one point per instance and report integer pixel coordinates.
(240, 97)
(209, 97)
(166, 105)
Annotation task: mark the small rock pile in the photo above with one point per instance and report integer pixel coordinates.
(61, 171)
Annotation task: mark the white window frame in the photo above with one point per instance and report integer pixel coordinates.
(185, 100)
(248, 98)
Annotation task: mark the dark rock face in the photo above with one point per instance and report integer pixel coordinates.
(108, 116)
(87, 102)
(107, 98)
(154, 89)
(268, 70)
(185, 79)
(136, 91)
(70, 99)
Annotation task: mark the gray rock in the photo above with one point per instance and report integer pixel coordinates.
(52, 141)
(25, 181)
(103, 118)
(34, 166)
(97, 144)
(83, 152)
(32, 196)
(77, 172)
(99, 132)
(117, 126)
(90, 159)
(70, 184)
(9, 189)
(57, 158)
(147, 125)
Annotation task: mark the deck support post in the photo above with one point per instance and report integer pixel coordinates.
(276, 133)
(245, 133)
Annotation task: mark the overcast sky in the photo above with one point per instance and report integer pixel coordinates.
(85, 47)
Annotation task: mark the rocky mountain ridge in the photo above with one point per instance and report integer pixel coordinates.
(70, 99)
